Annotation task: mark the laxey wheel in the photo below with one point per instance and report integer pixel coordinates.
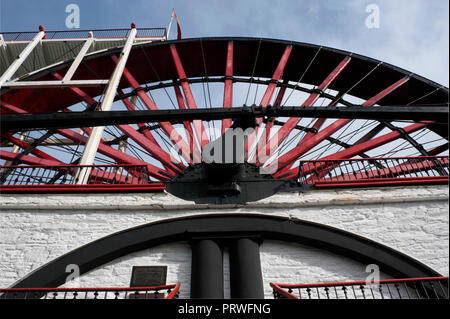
(233, 120)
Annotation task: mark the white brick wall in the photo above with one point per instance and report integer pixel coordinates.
(35, 229)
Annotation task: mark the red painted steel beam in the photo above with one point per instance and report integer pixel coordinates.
(265, 101)
(278, 101)
(35, 151)
(438, 150)
(81, 94)
(198, 125)
(154, 149)
(386, 182)
(118, 156)
(368, 145)
(357, 149)
(88, 99)
(319, 122)
(145, 131)
(91, 188)
(187, 125)
(286, 129)
(371, 144)
(408, 167)
(228, 86)
(307, 145)
(363, 139)
(167, 127)
(27, 159)
(149, 143)
(267, 128)
(11, 108)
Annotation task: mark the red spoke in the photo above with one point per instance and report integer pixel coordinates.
(276, 76)
(35, 151)
(319, 122)
(56, 165)
(372, 133)
(389, 172)
(278, 100)
(228, 88)
(269, 124)
(12, 108)
(27, 159)
(370, 144)
(307, 145)
(438, 150)
(286, 129)
(118, 156)
(154, 149)
(167, 127)
(198, 124)
(267, 97)
(150, 144)
(187, 125)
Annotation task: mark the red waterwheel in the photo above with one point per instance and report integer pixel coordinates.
(207, 73)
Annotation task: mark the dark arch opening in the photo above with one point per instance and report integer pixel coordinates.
(106, 249)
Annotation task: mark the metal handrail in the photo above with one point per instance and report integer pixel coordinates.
(114, 33)
(67, 174)
(372, 171)
(405, 288)
(172, 291)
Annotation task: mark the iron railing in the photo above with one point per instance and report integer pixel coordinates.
(161, 292)
(409, 288)
(42, 178)
(83, 34)
(374, 171)
(71, 174)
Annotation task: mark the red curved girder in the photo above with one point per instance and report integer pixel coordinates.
(228, 86)
(149, 143)
(363, 147)
(27, 159)
(388, 172)
(116, 155)
(167, 127)
(267, 97)
(286, 129)
(306, 145)
(187, 125)
(35, 151)
(202, 136)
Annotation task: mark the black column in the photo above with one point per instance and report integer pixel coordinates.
(207, 269)
(245, 269)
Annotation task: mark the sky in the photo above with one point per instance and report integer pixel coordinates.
(412, 34)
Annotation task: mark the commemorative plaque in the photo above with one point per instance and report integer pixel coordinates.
(145, 276)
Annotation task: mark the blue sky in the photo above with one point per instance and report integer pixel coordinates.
(413, 34)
